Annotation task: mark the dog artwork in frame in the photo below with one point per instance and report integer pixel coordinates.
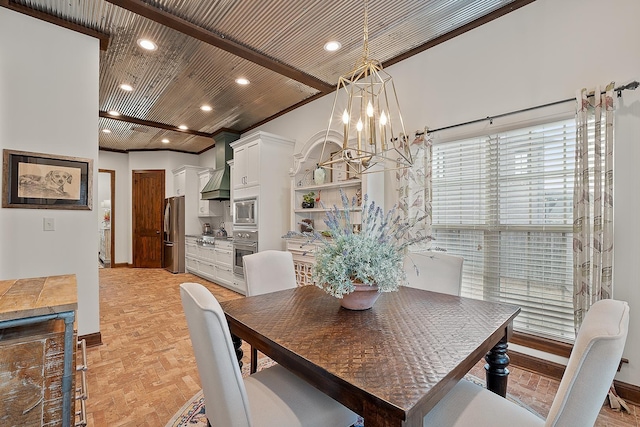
(46, 181)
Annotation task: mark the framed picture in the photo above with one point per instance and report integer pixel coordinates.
(339, 169)
(46, 181)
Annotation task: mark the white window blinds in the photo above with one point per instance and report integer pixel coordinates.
(504, 202)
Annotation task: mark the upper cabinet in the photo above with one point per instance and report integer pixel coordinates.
(180, 181)
(246, 164)
(186, 183)
(261, 165)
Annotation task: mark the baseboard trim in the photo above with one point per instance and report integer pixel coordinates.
(539, 366)
(121, 265)
(629, 392)
(92, 340)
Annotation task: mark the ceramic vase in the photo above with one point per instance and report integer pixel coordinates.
(319, 175)
(362, 298)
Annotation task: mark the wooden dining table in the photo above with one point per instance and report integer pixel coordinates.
(391, 363)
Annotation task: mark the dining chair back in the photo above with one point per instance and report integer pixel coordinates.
(590, 371)
(224, 392)
(592, 365)
(265, 272)
(269, 271)
(273, 397)
(434, 271)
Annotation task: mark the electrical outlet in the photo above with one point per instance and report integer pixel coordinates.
(49, 224)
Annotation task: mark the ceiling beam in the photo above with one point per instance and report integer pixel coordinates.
(52, 19)
(157, 125)
(220, 41)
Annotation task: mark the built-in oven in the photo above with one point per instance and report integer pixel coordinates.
(245, 212)
(245, 242)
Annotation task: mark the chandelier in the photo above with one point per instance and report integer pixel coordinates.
(367, 105)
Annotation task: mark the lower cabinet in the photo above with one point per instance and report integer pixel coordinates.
(214, 264)
(303, 259)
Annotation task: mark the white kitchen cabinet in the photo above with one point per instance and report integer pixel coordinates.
(186, 183)
(303, 259)
(213, 263)
(246, 165)
(207, 208)
(191, 265)
(191, 254)
(264, 161)
(239, 284)
(180, 181)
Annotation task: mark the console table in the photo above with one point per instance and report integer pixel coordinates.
(37, 349)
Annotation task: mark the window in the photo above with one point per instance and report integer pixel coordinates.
(505, 203)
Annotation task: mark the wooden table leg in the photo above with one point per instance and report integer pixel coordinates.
(496, 368)
(237, 345)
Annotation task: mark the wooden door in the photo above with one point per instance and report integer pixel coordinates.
(148, 210)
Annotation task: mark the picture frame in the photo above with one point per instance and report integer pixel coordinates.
(339, 169)
(46, 181)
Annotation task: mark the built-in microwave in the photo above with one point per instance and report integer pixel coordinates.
(245, 212)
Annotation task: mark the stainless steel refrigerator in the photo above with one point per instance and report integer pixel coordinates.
(173, 259)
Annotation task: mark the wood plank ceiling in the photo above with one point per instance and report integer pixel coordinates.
(203, 46)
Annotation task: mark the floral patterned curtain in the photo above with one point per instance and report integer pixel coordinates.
(593, 202)
(414, 190)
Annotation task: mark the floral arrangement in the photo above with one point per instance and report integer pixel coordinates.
(373, 256)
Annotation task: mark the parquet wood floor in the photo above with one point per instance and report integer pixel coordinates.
(145, 370)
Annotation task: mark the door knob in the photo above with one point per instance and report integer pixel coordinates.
(157, 231)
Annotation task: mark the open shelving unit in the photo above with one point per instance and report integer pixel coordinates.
(329, 194)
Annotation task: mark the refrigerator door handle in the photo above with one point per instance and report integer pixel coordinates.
(167, 215)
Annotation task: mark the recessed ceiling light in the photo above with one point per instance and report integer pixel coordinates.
(114, 113)
(332, 46)
(147, 44)
(183, 127)
(106, 130)
(165, 141)
(242, 81)
(206, 108)
(126, 87)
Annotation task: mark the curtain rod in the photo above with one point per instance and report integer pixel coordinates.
(631, 86)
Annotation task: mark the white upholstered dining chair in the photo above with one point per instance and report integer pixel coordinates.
(434, 271)
(584, 385)
(274, 397)
(265, 272)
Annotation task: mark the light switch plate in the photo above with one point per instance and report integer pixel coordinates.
(49, 224)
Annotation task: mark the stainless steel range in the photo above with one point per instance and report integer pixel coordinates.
(206, 241)
(245, 242)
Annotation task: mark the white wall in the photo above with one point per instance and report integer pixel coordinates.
(529, 57)
(49, 104)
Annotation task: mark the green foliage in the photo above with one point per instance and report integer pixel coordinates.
(309, 197)
(374, 256)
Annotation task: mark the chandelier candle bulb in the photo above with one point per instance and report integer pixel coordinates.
(372, 124)
(359, 129)
(383, 131)
(345, 121)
